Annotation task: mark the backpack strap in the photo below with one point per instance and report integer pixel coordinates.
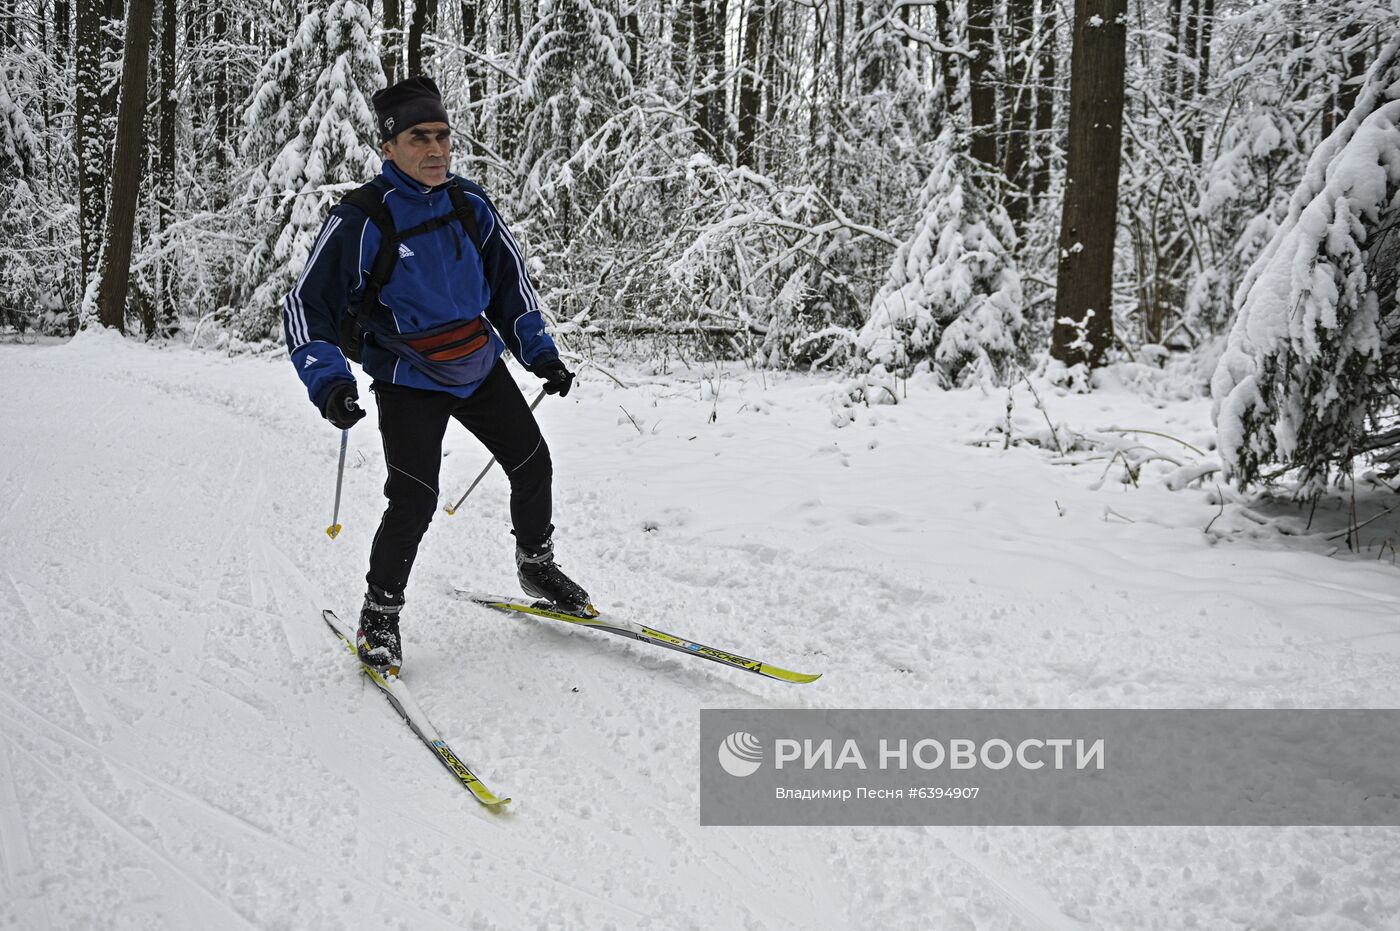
(369, 198)
(465, 214)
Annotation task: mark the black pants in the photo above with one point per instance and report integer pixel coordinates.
(412, 423)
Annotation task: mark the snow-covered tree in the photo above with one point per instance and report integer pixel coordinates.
(1276, 101)
(18, 153)
(19, 147)
(1312, 364)
(953, 294)
(38, 222)
(308, 132)
(1244, 198)
(575, 67)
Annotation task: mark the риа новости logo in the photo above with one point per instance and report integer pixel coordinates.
(741, 754)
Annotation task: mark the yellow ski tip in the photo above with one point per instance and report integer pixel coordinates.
(788, 675)
(333, 531)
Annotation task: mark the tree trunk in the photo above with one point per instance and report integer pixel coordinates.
(1045, 102)
(92, 168)
(223, 112)
(474, 90)
(814, 91)
(699, 57)
(165, 175)
(1084, 287)
(1171, 263)
(982, 81)
(1189, 75)
(476, 79)
(709, 54)
(114, 12)
(475, 38)
(632, 30)
(867, 65)
(165, 166)
(9, 25)
(1171, 54)
(389, 57)
(718, 107)
(192, 23)
(1020, 20)
(415, 37)
(1203, 77)
(947, 64)
(126, 165)
(750, 90)
(63, 32)
(680, 43)
(838, 50)
(194, 26)
(1353, 66)
(773, 97)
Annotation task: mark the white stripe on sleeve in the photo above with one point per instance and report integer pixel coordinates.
(297, 310)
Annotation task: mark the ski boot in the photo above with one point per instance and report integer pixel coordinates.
(540, 577)
(377, 640)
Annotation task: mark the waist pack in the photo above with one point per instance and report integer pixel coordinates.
(450, 354)
(360, 320)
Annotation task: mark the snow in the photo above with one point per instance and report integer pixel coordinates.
(184, 744)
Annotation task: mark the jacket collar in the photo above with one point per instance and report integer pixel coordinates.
(406, 185)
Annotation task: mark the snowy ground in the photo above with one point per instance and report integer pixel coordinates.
(183, 744)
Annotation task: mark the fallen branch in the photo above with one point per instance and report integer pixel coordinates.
(1165, 436)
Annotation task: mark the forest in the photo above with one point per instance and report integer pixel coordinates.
(883, 189)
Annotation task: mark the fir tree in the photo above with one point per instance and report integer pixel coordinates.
(1243, 199)
(576, 67)
(1311, 361)
(19, 147)
(953, 294)
(307, 141)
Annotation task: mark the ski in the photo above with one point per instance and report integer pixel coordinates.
(402, 699)
(638, 632)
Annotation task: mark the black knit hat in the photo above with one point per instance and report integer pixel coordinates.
(407, 103)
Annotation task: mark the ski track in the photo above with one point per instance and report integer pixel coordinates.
(1029, 903)
(22, 903)
(191, 743)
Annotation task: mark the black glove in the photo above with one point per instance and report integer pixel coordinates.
(557, 379)
(342, 408)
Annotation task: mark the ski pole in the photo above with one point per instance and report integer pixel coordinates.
(334, 529)
(453, 509)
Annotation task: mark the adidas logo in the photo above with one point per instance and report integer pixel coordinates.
(310, 361)
(404, 251)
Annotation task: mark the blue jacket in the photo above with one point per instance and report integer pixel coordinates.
(440, 278)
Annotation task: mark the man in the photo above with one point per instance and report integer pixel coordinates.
(428, 316)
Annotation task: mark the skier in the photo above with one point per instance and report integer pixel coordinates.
(415, 276)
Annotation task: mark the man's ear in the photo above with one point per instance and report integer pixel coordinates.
(384, 151)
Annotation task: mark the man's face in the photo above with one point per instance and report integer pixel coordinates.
(423, 152)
